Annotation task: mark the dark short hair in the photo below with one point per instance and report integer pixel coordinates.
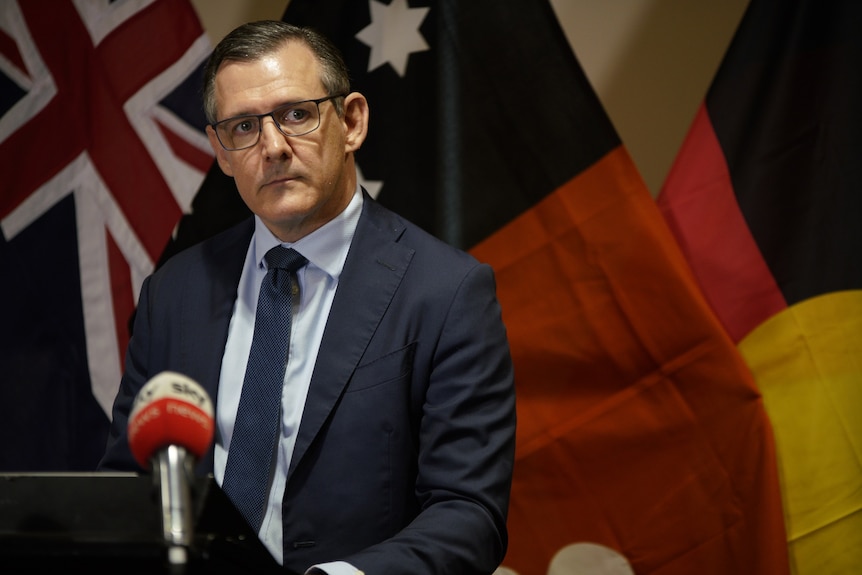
(253, 41)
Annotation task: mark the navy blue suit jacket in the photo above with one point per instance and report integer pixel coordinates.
(404, 454)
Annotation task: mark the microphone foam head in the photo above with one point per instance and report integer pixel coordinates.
(171, 409)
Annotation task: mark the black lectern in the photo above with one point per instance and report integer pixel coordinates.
(111, 523)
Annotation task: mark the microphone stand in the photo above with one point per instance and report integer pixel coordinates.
(173, 468)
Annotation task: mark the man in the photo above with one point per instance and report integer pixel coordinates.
(397, 412)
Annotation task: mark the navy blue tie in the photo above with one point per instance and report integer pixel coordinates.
(256, 431)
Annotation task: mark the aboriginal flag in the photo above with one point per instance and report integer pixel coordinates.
(643, 442)
(765, 199)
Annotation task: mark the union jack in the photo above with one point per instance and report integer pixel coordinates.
(102, 149)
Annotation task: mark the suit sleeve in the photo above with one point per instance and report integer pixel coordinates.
(117, 456)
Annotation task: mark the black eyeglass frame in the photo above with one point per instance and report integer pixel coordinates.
(271, 114)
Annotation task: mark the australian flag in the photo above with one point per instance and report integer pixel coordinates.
(102, 149)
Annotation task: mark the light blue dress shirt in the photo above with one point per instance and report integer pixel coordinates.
(326, 250)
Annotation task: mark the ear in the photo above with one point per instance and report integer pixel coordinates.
(355, 121)
(220, 153)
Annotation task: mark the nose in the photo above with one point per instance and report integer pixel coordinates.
(275, 144)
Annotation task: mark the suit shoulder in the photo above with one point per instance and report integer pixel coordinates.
(423, 242)
(213, 256)
(214, 247)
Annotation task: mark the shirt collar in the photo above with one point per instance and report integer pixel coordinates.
(325, 247)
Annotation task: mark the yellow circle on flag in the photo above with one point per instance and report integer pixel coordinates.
(807, 361)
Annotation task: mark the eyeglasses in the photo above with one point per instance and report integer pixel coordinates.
(294, 119)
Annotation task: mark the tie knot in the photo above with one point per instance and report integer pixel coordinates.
(284, 259)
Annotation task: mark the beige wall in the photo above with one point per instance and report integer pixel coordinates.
(650, 61)
(221, 16)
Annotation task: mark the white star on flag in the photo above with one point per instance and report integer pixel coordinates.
(393, 34)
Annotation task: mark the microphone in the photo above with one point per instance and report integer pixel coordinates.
(171, 425)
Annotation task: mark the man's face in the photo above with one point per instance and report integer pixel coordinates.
(295, 184)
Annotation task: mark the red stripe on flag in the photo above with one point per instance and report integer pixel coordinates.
(701, 209)
(120, 51)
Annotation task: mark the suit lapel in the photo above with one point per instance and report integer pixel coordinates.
(373, 271)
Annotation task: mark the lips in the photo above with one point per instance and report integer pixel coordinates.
(278, 180)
